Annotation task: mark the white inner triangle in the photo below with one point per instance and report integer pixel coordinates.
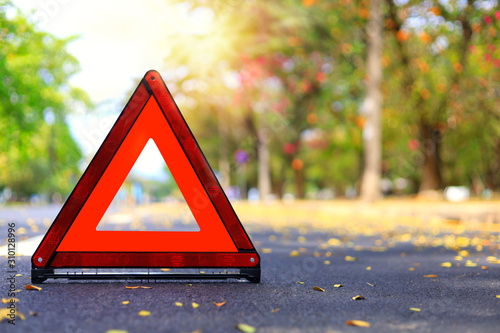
(149, 199)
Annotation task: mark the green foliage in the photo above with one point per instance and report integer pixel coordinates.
(37, 152)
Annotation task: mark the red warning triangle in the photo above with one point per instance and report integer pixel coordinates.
(73, 241)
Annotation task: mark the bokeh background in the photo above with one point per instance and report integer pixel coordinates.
(310, 99)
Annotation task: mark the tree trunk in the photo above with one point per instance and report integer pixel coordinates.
(372, 136)
(430, 139)
(299, 183)
(492, 178)
(264, 177)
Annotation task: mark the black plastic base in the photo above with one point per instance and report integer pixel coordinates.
(39, 275)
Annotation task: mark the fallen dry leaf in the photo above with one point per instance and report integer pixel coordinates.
(368, 268)
(275, 310)
(319, 289)
(338, 285)
(178, 304)
(128, 287)
(116, 331)
(357, 297)
(33, 313)
(484, 267)
(446, 264)
(19, 275)
(470, 264)
(144, 313)
(5, 314)
(146, 287)
(430, 276)
(411, 269)
(327, 262)
(300, 282)
(371, 285)
(8, 300)
(195, 305)
(245, 328)
(358, 323)
(349, 258)
(294, 253)
(498, 296)
(125, 302)
(32, 287)
(219, 304)
(415, 309)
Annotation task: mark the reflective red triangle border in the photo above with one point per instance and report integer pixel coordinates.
(47, 258)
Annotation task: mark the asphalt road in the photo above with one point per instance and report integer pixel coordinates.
(461, 298)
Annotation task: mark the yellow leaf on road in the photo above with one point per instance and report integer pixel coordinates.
(294, 253)
(415, 309)
(446, 264)
(245, 328)
(146, 287)
(498, 296)
(195, 305)
(319, 289)
(5, 314)
(358, 297)
(327, 262)
(164, 269)
(275, 310)
(125, 302)
(32, 287)
(430, 276)
(300, 282)
(128, 287)
(116, 331)
(338, 285)
(266, 250)
(371, 285)
(144, 313)
(359, 323)
(470, 264)
(178, 304)
(219, 304)
(349, 258)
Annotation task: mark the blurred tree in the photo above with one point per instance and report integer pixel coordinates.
(37, 152)
(296, 76)
(430, 60)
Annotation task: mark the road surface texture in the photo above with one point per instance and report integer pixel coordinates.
(429, 267)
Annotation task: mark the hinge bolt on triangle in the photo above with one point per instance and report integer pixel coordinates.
(252, 259)
(40, 259)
